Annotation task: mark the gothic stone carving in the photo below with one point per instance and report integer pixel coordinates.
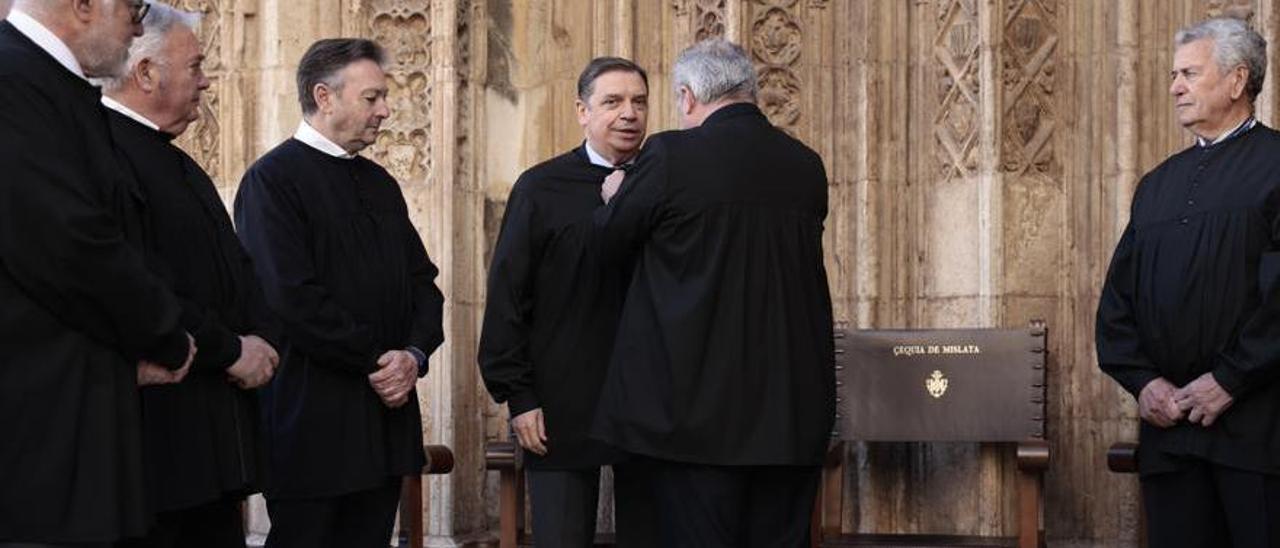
(404, 28)
(776, 43)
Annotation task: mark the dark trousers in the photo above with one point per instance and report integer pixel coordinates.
(707, 506)
(363, 519)
(48, 545)
(217, 524)
(1212, 506)
(564, 506)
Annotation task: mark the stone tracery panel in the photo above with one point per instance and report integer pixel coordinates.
(203, 140)
(1029, 53)
(956, 124)
(776, 44)
(403, 145)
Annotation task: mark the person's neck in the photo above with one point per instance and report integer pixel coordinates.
(609, 155)
(1229, 122)
(136, 101)
(323, 128)
(703, 111)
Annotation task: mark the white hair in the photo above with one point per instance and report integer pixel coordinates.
(1234, 44)
(160, 20)
(715, 69)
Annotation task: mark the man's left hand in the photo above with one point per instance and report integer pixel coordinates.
(396, 375)
(1204, 398)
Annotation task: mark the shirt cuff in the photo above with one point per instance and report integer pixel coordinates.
(421, 356)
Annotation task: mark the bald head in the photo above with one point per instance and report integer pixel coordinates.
(98, 32)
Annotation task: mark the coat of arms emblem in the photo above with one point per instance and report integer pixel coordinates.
(936, 384)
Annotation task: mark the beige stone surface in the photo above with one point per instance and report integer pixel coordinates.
(981, 153)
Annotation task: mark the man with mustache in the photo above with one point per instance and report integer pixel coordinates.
(1189, 318)
(552, 310)
(346, 274)
(83, 320)
(201, 435)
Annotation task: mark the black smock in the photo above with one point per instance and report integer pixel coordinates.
(552, 309)
(78, 308)
(724, 351)
(347, 277)
(201, 436)
(1192, 290)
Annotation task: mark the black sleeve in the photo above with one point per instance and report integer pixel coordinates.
(1252, 361)
(623, 225)
(218, 346)
(504, 356)
(71, 255)
(1119, 346)
(427, 331)
(272, 226)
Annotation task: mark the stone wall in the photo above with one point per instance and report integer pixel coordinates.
(982, 156)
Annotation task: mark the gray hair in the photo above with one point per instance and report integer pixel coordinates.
(160, 20)
(1234, 44)
(715, 69)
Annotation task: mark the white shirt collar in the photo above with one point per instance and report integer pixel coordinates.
(598, 159)
(47, 40)
(314, 139)
(119, 107)
(1250, 121)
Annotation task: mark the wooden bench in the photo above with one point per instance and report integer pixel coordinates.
(439, 461)
(971, 385)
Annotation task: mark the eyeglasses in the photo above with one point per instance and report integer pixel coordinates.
(139, 9)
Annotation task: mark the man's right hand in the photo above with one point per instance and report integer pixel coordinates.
(256, 364)
(1156, 404)
(531, 431)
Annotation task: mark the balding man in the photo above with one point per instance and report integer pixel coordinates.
(80, 309)
(200, 436)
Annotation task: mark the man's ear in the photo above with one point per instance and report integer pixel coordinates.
(323, 96)
(145, 75)
(685, 100)
(581, 108)
(1241, 75)
(85, 10)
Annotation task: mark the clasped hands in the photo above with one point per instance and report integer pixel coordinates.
(396, 375)
(1201, 402)
(255, 366)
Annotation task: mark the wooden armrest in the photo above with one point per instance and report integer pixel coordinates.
(439, 459)
(1033, 455)
(1122, 457)
(501, 455)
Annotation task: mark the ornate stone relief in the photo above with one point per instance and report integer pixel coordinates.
(776, 44)
(955, 48)
(708, 17)
(1240, 9)
(203, 140)
(403, 146)
(1029, 53)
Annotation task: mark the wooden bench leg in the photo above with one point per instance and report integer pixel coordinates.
(1033, 460)
(413, 507)
(828, 511)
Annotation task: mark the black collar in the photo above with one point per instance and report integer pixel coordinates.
(732, 111)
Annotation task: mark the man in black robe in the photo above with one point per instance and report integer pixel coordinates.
(346, 274)
(1189, 317)
(552, 310)
(722, 368)
(82, 319)
(201, 436)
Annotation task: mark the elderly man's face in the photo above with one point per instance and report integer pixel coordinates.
(614, 118)
(104, 49)
(1204, 94)
(357, 109)
(181, 80)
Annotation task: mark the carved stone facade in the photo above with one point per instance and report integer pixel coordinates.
(982, 155)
